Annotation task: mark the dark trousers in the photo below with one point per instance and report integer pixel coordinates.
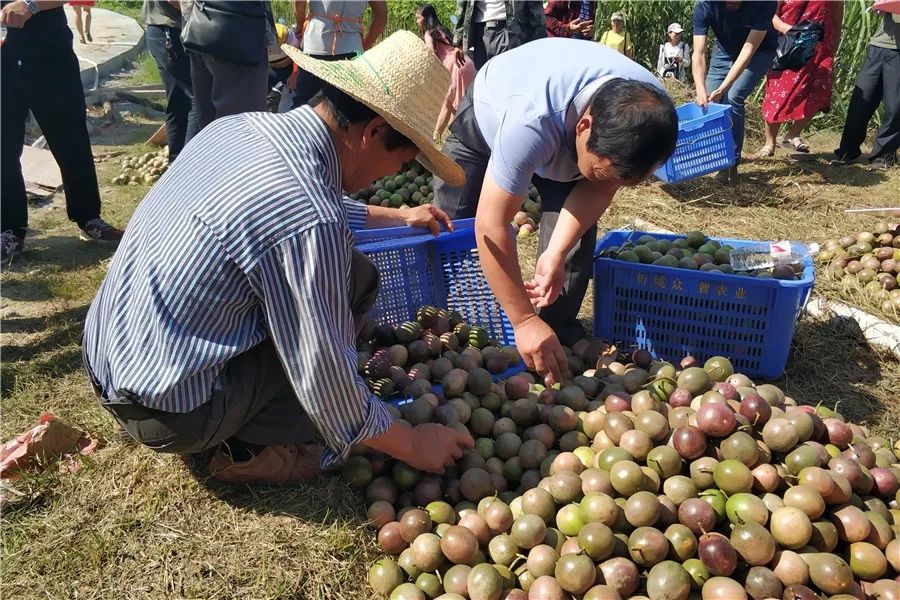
(223, 88)
(308, 85)
(488, 40)
(468, 148)
(164, 44)
(43, 76)
(252, 399)
(878, 79)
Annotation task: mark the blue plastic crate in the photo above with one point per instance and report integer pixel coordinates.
(420, 269)
(678, 312)
(705, 143)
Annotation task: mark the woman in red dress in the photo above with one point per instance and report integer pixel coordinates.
(796, 96)
(83, 30)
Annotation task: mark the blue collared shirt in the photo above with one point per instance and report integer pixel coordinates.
(246, 237)
(528, 100)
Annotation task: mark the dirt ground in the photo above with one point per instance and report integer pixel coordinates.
(133, 524)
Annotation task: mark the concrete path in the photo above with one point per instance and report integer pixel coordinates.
(117, 40)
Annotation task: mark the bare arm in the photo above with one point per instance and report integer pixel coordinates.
(754, 39)
(15, 14)
(698, 69)
(300, 14)
(443, 118)
(585, 204)
(536, 342)
(379, 21)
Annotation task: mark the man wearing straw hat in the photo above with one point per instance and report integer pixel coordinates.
(583, 123)
(226, 319)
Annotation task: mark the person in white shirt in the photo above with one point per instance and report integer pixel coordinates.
(674, 55)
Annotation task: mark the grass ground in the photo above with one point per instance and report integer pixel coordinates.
(132, 524)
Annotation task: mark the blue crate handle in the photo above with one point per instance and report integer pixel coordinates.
(366, 235)
(705, 136)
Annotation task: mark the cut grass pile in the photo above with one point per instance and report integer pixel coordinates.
(134, 524)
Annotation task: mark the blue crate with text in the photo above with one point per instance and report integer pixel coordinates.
(674, 312)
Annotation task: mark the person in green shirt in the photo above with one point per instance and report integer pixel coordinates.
(878, 80)
(616, 37)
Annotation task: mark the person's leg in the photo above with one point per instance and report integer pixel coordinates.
(467, 148)
(58, 105)
(864, 101)
(364, 282)
(178, 104)
(13, 111)
(307, 86)
(479, 52)
(87, 23)
(237, 88)
(739, 91)
(562, 315)
(887, 138)
(79, 25)
(496, 41)
(768, 148)
(796, 128)
(201, 83)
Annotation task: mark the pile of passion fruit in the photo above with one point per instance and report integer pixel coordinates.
(639, 479)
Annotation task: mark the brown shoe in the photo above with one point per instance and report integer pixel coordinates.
(275, 464)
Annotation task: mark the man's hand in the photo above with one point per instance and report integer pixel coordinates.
(15, 14)
(578, 26)
(435, 447)
(586, 27)
(541, 350)
(428, 217)
(291, 81)
(717, 94)
(460, 57)
(701, 98)
(549, 277)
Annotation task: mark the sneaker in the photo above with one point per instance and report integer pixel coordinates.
(98, 229)
(880, 164)
(11, 245)
(274, 465)
(842, 159)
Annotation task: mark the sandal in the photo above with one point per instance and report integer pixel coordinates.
(764, 152)
(797, 143)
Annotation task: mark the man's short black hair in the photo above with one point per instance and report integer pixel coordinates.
(347, 111)
(635, 126)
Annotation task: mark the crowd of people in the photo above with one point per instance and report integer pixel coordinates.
(236, 289)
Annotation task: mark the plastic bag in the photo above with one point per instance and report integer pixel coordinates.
(797, 46)
(49, 440)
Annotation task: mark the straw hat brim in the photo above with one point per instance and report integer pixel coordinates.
(431, 158)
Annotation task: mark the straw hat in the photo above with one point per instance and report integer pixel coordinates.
(401, 80)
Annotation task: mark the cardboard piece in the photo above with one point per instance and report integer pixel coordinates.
(39, 169)
(159, 138)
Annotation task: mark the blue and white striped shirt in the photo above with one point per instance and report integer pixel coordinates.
(246, 236)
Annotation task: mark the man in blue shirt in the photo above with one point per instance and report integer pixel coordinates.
(578, 120)
(745, 49)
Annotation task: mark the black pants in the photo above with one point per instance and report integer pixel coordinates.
(488, 40)
(43, 75)
(223, 88)
(164, 44)
(878, 79)
(252, 400)
(468, 148)
(308, 85)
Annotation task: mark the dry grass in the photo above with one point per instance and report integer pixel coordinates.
(133, 524)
